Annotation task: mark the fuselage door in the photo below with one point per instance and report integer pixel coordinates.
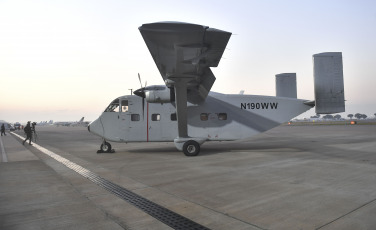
(124, 118)
(136, 124)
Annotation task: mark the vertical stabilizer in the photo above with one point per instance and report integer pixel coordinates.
(328, 78)
(285, 85)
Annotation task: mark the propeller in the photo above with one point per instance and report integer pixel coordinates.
(141, 93)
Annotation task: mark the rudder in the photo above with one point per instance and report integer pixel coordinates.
(328, 80)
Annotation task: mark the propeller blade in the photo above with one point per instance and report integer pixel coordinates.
(141, 93)
(139, 78)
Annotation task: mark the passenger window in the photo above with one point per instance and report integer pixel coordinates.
(124, 106)
(135, 117)
(173, 117)
(222, 116)
(204, 116)
(155, 117)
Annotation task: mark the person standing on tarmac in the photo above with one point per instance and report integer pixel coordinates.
(33, 127)
(3, 129)
(28, 132)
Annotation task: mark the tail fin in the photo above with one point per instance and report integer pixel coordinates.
(82, 119)
(285, 85)
(328, 78)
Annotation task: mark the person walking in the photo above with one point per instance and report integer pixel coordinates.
(3, 129)
(33, 127)
(34, 132)
(28, 132)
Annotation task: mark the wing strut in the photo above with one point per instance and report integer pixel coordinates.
(189, 145)
(180, 85)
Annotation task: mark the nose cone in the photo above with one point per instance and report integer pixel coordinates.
(96, 127)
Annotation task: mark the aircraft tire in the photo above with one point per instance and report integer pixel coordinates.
(106, 147)
(191, 148)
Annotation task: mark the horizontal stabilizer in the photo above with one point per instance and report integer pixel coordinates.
(328, 78)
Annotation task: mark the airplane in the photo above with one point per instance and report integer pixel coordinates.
(7, 125)
(44, 123)
(81, 122)
(186, 112)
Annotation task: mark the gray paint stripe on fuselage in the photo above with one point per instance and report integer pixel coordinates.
(246, 118)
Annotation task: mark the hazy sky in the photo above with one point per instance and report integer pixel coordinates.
(62, 60)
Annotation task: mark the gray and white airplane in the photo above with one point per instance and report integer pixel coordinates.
(186, 112)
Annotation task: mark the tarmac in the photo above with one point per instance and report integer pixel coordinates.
(291, 177)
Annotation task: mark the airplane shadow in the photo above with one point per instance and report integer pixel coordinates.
(212, 148)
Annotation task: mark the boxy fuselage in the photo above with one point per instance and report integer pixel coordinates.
(221, 117)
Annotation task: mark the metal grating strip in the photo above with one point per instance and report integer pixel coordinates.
(163, 214)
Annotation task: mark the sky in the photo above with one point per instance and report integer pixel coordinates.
(61, 60)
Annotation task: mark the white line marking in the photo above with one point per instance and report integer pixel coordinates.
(166, 216)
(3, 153)
(51, 154)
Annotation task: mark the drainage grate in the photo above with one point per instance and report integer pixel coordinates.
(164, 215)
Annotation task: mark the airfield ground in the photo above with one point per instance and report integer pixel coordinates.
(291, 177)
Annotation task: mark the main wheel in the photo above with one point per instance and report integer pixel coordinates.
(191, 148)
(106, 147)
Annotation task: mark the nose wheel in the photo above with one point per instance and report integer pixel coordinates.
(106, 148)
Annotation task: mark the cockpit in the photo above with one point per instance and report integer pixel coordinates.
(117, 105)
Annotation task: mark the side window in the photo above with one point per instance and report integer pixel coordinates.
(204, 116)
(173, 117)
(124, 106)
(155, 117)
(135, 117)
(222, 116)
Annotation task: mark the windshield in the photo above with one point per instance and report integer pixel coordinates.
(114, 106)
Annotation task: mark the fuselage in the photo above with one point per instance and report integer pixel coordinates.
(220, 117)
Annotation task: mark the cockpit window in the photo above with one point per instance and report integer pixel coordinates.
(114, 106)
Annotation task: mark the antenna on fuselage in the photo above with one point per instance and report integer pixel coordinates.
(131, 91)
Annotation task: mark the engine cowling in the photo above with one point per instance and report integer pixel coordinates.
(158, 96)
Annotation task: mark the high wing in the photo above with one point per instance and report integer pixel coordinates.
(185, 52)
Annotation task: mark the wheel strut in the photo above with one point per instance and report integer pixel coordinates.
(105, 148)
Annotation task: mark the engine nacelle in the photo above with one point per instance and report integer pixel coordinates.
(159, 96)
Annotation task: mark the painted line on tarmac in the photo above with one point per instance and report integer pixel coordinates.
(166, 216)
(3, 153)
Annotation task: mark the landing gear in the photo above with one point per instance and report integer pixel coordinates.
(191, 148)
(106, 148)
(189, 145)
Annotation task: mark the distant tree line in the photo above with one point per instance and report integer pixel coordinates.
(335, 117)
(338, 117)
(357, 116)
